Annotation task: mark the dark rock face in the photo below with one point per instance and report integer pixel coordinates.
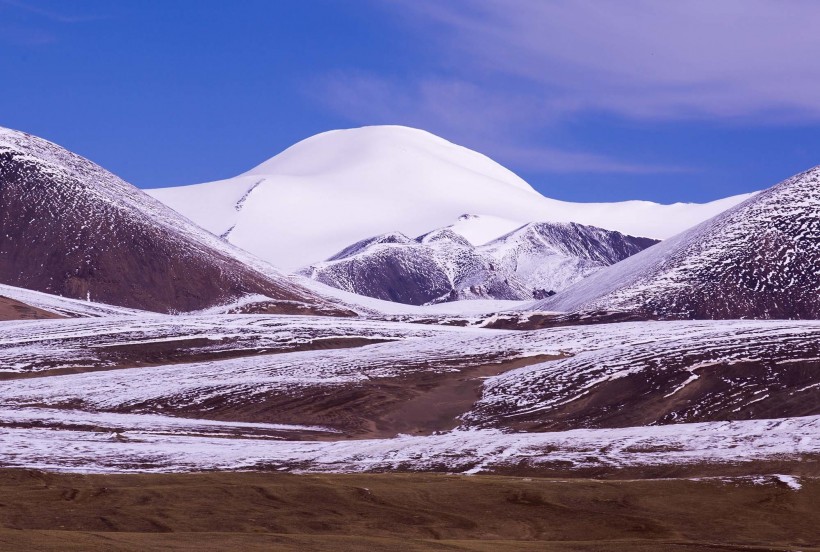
(760, 259)
(398, 275)
(531, 262)
(70, 228)
(396, 268)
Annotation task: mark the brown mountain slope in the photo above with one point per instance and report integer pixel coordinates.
(70, 228)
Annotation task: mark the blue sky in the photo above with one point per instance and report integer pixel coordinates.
(587, 100)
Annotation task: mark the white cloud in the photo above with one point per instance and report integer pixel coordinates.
(493, 122)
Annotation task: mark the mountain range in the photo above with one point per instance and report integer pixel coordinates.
(135, 338)
(339, 187)
(531, 262)
(70, 228)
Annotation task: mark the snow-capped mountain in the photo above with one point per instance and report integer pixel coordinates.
(330, 190)
(533, 261)
(440, 266)
(68, 227)
(760, 259)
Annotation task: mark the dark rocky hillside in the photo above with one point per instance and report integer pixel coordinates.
(760, 259)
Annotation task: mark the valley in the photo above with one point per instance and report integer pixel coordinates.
(506, 380)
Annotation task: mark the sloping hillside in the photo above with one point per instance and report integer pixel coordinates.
(70, 228)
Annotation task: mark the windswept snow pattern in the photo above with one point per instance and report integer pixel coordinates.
(335, 188)
(247, 380)
(633, 373)
(178, 417)
(151, 423)
(32, 346)
(642, 373)
(481, 451)
(760, 259)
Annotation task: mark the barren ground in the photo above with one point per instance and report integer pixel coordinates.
(386, 512)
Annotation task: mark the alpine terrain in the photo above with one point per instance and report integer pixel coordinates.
(159, 385)
(377, 339)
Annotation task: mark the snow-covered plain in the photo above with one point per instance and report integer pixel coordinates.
(660, 360)
(594, 355)
(30, 346)
(339, 187)
(247, 379)
(478, 451)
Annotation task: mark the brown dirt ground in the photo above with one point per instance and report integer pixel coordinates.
(419, 403)
(392, 512)
(11, 309)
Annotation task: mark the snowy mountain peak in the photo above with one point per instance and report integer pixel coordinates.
(359, 246)
(348, 151)
(444, 235)
(575, 240)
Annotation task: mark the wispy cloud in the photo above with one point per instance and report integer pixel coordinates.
(28, 24)
(642, 58)
(517, 67)
(51, 15)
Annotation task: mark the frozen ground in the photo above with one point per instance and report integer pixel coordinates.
(126, 419)
(31, 346)
(667, 356)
